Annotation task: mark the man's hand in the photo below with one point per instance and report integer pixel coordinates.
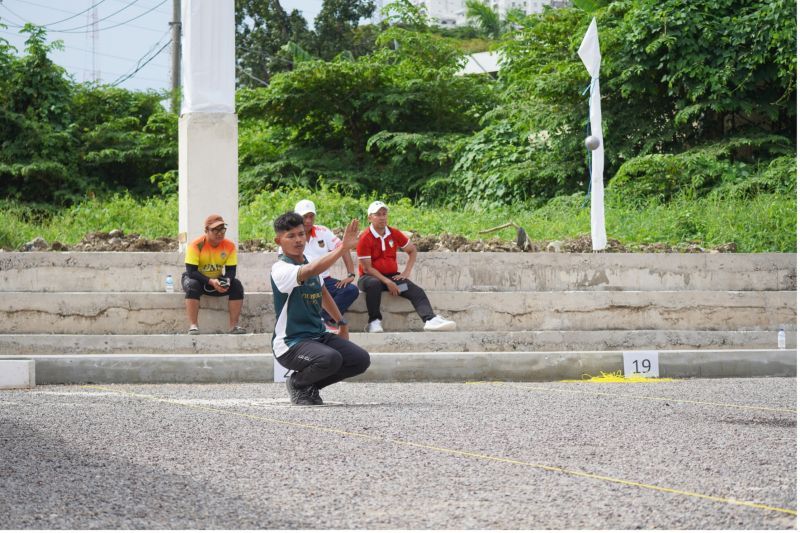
(344, 282)
(350, 237)
(394, 290)
(214, 282)
(344, 332)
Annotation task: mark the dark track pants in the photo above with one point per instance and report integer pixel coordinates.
(373, 288)
(325, 361)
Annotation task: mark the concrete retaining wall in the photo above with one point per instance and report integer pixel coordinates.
(463, 341)
(448, 366)
(441, 271)
(142, 313)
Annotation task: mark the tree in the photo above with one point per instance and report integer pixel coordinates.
(336, 23)
(388, 120)
(725, 66)
(61, 140)
(489, 21)
(712, 80)
(262, 28)
(124, 138)
(486, 18)
(36, 162)
(406, 15)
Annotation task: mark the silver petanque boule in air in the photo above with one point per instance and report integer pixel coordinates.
(591, 142)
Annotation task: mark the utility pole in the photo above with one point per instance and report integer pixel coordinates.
(176, 55)
(93, 35)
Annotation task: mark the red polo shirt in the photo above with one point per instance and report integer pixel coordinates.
(382, 250)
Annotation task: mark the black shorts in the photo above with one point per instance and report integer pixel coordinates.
(195, 289)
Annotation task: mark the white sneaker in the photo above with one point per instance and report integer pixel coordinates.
(375, 327)
(438, 323)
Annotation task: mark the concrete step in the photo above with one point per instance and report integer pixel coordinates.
(420, 366)
(149, 313)
(455, 341)
(442, 271)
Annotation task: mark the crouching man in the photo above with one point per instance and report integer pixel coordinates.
(300, 342)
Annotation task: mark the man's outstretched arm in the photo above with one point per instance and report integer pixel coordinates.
(318, 266)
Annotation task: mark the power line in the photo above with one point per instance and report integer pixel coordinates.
(44, 6)
(132, 74)
(22, 19)
(279, 58)
(243, 71)
(70, 30)
(108, 55)
(140, 65)
(64, 11)
(162, 65)
(85, 50)
(76, 14)
(123, 1)
(106, 72)
(11, 24)
(117, 25)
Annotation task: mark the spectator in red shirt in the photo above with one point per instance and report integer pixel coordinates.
(378, 271)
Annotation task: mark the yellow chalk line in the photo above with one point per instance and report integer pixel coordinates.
(451, 451)
(634, 396)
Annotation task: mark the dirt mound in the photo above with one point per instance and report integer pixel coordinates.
(257, 245)
(100, 241)
(117, 241)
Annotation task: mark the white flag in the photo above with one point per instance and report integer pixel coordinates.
(589, 52)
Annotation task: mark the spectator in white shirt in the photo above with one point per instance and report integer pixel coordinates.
(319, 241)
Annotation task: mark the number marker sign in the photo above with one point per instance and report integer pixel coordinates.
(640, 364)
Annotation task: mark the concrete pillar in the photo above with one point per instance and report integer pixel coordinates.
(17, 374)
(208, 179)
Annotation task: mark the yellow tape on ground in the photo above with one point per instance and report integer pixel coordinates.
(378, 438)
(633, 396)
(615, 377)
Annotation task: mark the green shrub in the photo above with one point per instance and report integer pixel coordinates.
(662, 176)
(741, 165)
(779, 176)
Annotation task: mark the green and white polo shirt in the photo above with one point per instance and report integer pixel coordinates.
(297, 306)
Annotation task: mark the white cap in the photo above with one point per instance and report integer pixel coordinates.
(305, 207)
(374, 207)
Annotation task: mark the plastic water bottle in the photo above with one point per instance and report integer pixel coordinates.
(169, 284)
(782, 338)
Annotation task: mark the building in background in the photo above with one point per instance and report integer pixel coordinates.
(452, 13)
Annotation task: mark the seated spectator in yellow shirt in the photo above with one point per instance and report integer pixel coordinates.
(211, 270)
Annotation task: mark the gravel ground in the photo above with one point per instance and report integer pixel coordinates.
(400, 455)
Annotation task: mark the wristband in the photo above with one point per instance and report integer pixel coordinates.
(351, 275)
(341, 322)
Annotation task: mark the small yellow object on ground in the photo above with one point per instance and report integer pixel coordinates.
(614, 377)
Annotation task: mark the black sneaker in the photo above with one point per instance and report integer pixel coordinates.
(315, 397)
(299, 395)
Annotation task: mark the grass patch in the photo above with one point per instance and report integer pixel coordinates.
(763, 223)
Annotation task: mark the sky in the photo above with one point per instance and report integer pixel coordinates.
(130, 32)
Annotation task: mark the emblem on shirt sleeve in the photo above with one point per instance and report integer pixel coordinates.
(223, 255)
(321, 244)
